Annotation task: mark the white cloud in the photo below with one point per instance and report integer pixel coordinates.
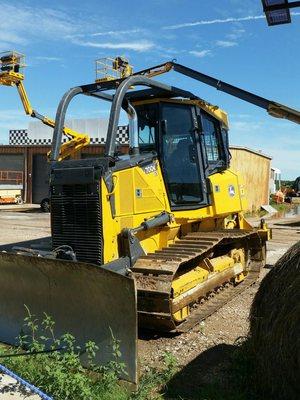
(225, 43)
(11, 37)
(200, 54)
(24, 25)
(45, 58)
(117, 33)
(219, 21)
(235, 34)
(214, 21)
(142, 45)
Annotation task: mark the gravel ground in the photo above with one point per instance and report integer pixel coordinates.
(219, 331)
(206, 351)
(11, 389)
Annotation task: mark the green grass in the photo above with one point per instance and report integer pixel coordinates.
(282, 207)
(61, 375)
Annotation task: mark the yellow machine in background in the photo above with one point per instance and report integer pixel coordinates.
(109, 69)
(156, 235)
(12, 65)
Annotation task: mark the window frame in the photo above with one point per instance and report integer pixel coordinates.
(224, 155)
(201, 164)
(153, 146)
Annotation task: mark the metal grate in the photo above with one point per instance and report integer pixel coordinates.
(76, 220)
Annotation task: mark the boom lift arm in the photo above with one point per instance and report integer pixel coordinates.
(273, 108)
(10, 65)
(12, 62)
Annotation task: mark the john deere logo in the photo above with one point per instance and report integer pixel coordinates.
(231, 190)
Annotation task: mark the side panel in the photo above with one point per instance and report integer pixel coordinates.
(226, 196)
(87, 301)
(133, 207)
(139, 193)
(140, 190)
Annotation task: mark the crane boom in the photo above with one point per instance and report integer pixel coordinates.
(273, 108)
(10, 75)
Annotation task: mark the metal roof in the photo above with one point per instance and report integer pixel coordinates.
(257, 152)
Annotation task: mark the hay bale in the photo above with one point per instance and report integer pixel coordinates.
(275, 328)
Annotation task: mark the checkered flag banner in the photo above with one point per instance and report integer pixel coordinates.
(19, 137)
(123, 134)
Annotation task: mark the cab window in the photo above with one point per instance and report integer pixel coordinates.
(179, 156)
(215, 141)
(147, 126)
(211, 138)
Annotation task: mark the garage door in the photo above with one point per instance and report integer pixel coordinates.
(11, 162)
(12, 170)
(40, 178)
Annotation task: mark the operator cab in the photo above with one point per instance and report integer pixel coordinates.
(187, 135)
(190, 143)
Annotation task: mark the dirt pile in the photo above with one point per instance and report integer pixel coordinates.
(275, 328)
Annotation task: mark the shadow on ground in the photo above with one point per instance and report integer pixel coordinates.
(219, 373)
(38, 244)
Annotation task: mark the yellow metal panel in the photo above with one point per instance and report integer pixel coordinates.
(149, 192)
(202, 273)
(182, 314)
(125, 222)
(124, 192)
(226, 199)
(140, 192)
(189, 280)
(225, 193)
(221, 263)
(140, 195)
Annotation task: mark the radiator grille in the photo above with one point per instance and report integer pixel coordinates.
(76, 220)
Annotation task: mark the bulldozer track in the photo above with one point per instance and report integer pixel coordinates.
(212, 305)
(154, 274)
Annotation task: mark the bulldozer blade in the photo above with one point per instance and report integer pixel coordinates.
(88, 301)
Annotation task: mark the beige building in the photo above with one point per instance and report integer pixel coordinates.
(254, 167)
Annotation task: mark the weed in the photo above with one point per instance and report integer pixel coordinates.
(155, 381)
(60, 374)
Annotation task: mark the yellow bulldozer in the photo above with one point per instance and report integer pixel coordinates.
(155, 238)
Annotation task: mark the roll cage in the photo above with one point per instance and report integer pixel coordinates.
(155, 89)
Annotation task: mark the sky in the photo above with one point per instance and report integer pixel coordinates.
(227, 39)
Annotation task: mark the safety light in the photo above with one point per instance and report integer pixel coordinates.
(278, 11)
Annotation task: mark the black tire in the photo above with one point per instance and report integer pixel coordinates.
(19, 200)
(45, 205)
